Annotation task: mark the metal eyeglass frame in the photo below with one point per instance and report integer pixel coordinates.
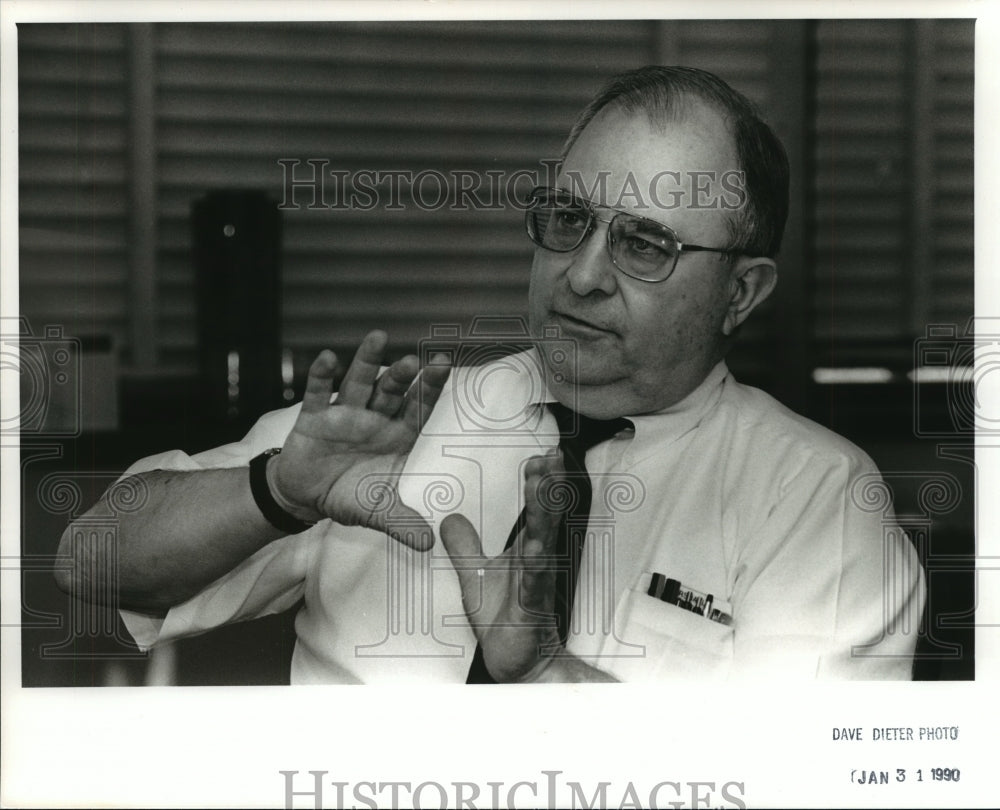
(592, 218)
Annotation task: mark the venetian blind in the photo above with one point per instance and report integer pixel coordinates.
(893, 186)
(450, 98)
(73, 189)
(444, 98)
(230, 101)
(951, 221)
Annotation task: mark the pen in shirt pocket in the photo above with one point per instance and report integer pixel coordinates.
(673, 592)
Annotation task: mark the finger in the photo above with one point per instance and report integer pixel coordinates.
(319, 383)
(356, 387)
(393, 384)
(543, 501)
(537, 545)
(461, 541)
(422, 396)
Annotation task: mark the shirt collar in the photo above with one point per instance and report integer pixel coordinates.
(651, 429)
(654, 430)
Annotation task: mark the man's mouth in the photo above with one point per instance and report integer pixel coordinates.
(575, 323)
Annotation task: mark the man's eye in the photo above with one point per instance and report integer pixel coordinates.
(569, 219)
(638, 246)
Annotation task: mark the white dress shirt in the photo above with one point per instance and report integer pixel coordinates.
(727, 492)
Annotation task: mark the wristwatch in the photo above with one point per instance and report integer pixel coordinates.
(269, 507)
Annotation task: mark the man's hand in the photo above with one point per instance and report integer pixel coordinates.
(510, 599)
(343, 460)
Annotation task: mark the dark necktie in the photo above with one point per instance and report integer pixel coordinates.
(577, 434)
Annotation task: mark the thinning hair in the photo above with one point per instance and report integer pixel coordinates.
(661, 93)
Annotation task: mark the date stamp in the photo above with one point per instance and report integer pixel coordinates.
(871, 776)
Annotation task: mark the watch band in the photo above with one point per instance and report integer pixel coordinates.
(265, 501)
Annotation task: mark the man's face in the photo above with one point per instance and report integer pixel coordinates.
(640, 346)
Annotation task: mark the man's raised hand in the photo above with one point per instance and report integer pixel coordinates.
(340, 455)
(510, 599)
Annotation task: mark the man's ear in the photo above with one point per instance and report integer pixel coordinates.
(753, 278)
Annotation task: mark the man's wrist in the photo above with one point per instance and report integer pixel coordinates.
(305, 515)
(268, 498)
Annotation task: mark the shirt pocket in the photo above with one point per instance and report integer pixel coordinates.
(656, 641)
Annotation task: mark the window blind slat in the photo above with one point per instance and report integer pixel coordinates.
(72, 122)
(860, 152)
(951, 282)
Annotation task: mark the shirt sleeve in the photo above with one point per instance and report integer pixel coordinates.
(269, 431)
(269, 581)
(829, 586)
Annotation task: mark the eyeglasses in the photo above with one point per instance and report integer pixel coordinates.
(641, 248)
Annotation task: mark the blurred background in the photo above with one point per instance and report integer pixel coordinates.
(179, 269)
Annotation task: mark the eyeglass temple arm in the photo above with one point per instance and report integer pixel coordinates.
(684, 247)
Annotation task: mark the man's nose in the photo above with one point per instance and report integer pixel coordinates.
(591, 269)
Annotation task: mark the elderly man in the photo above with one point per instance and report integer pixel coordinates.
(611, 504)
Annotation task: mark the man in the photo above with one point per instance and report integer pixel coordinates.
(721, 536)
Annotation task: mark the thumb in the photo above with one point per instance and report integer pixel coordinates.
(406, 526)
(461, 541)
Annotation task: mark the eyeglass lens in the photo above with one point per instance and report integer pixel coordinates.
(640, 247)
